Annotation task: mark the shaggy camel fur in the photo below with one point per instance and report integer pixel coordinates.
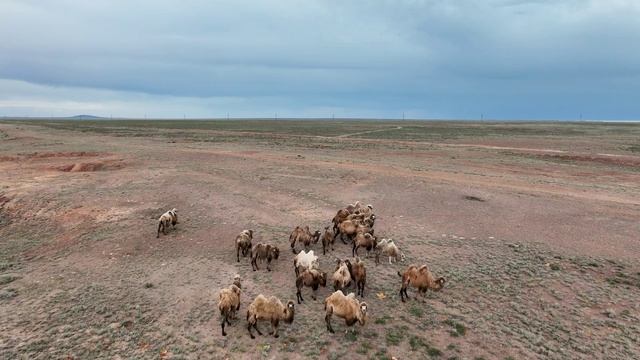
(304, 236)
(305, 260)
(170, 216)
(359, 274)
(346, 307)
(263, 308)
(327, 239)
(420, 278)
(388, 248)
(229, 304)
(263, 252)
(243, 243)
(310, 278)
(342, 275)
(364, 240)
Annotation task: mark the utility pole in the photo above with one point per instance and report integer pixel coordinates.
(276, 117)
(403, 115)
(227, 116)
(481, 116)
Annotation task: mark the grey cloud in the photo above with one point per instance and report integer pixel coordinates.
(518, 59)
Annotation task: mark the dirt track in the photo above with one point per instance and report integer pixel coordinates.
(538, 237)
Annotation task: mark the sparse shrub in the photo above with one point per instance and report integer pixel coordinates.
(634, 148)
(322, 343)
(416, 343)
(8, 294)
(394, 336)
(264, 350)
(370, 334)
(382, 354)
(148, 285)
(416, 311)
(351, 336)
(364, 348)
(458, 328)
(5, 279)
(434, 352)
(312, 353)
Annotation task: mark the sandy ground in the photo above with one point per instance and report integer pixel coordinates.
(537, 236)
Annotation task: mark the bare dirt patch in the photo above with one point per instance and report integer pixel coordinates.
(91, 166)
(47, 155)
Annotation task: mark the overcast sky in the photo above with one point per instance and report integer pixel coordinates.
(506, 59)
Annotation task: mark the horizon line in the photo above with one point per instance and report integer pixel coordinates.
(488, 120)
(275, 118)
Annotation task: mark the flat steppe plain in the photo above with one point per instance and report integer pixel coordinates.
(535, 226)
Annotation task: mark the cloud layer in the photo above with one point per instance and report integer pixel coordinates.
(432, 59)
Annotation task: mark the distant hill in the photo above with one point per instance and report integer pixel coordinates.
(86, 117)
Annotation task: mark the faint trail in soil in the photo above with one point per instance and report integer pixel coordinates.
(369, 132)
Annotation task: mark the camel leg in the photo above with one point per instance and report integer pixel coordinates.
(274, 328)
(327, 319)
(223, 321)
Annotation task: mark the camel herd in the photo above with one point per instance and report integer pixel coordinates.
(354, 224)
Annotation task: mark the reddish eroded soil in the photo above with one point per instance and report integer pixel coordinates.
(539, 243)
